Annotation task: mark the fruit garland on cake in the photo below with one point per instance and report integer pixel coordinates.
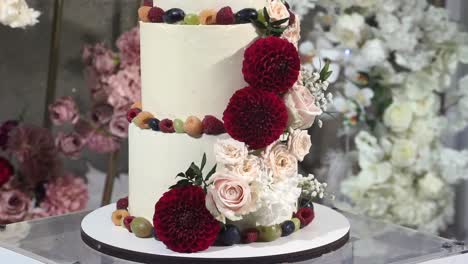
(254, 193)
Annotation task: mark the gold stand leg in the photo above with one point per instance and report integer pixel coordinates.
(110, 177)
(54, 55)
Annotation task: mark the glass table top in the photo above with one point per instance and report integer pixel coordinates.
(57, 240)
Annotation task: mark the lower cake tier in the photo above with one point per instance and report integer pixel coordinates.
(154, 161)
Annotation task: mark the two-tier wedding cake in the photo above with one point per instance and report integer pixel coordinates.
(215, 143)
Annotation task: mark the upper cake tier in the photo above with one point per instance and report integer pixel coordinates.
(193, 70)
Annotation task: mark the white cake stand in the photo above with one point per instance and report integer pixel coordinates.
(328, 232)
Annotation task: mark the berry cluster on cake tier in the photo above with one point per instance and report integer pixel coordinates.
(223, 83)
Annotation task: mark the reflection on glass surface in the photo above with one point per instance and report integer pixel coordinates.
(58, 239)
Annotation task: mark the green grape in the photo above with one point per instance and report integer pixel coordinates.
(179, 126)
(297, 223)
(191, 19)
(269, 233)
(141, 227)
(261, 17)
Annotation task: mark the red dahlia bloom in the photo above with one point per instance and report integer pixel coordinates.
(182, 221)
(255, 117)
(271, 64)
(6, 171)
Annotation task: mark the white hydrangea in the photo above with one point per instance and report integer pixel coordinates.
(17, 14)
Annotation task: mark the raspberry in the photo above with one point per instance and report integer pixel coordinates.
(250, 235)
(127, 221)
(122, 203)
(155, 15)
(212, 126)
(132, 113)
(166, 126)
(305, 215)
(148, 3)
(225, 16)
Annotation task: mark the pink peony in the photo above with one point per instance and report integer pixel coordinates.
(34, 148)
(70, 144)
(101, 143)
(129, 46)
(101, 114)
(14, 205)
(124, 88)
(96, 83)
(119, 125)
(64, 110)
(103, 59)
(65, 195)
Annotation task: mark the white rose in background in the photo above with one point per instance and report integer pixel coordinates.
(277, 10)
(17, 14)
(419, 85)
(299, 144)
(230, 151)
(398, 116)
(369, 150)
(363, 96)
(423, 131)
(430, 185)
(371, 54)
(301, 108)
(404, 153)
(375, 173)
(230, 196)
(425, 107)
(349, 30)
(282, 163)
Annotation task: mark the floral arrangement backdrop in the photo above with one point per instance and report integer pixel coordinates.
(394, 63)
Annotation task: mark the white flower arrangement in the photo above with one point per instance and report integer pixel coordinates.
(396, 61)
(17, 14)
(260, 188)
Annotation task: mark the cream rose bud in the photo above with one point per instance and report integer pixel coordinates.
(430, 185)
(277, 10)
(301, 108)
(230, 196)
(230, 151)
(398, 116)
(251, 168)
(282, 163)
(349, 29)
(403, 153)
(299, 144)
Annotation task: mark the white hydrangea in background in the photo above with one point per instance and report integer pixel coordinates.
(395, 62)
(17, 14)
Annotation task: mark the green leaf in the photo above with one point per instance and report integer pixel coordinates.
(192, 171)
(181, 183)
(279, 22)
(326, 76)
(325, 71)
(212, 171)
(181, 174)
(266, 15)
(258, 24)
(203, 162)
(199, 181)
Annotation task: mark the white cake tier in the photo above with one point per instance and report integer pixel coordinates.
(192, 70)
(155, 159)
(196, 6)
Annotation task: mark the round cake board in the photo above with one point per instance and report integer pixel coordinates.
(328, 232)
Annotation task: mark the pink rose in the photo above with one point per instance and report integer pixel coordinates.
(70, 144)
(230, 196)
(102, 113)
(282, 163)
(64, 110)
(301, 107)
(104, 59)
(65, 195)
(119, 125)
(14, 206)
(293, 32)
(129, 46)
(124, 88)
(102, 143)
(299, 144)
(277, 10)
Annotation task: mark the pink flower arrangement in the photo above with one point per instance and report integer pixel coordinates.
(65, 195)
(63, 111)
(14, 205)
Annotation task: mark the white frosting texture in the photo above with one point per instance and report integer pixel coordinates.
(155, 160)
(195, 6)
(192, 70)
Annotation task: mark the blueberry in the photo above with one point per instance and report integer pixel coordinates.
(230, 235)
(173, 15)
(287, 228)
(246, 15)
(153, 123)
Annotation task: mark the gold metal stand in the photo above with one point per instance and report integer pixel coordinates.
(54, 55)
(110, 177)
